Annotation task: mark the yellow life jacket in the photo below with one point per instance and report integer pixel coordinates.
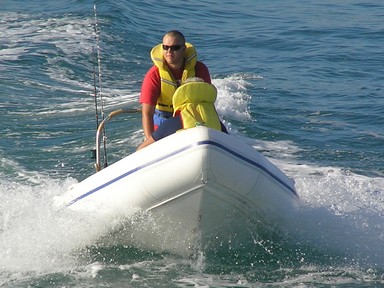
(194, 101)
(168, 82)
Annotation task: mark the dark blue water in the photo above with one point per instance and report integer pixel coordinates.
(301, 81)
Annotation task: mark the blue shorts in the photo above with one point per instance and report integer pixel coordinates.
(160, 116)
(172, 125)
(169, 126)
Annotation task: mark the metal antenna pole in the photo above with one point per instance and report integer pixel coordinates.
(100, 85)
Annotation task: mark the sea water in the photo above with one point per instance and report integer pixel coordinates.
(300, 81)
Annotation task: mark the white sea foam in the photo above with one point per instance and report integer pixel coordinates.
(233, 99)
(60, 39)
(30, 235)
(340, 212)
(71, 35)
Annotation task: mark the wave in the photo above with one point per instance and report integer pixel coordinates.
(340, 216)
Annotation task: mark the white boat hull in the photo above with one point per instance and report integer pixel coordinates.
(197, 184)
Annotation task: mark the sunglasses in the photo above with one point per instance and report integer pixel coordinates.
(173, 47)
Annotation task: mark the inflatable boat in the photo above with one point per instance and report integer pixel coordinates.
(196, 185)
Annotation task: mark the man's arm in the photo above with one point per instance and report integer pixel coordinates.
(167, 128)
(150, 91)
(147, 142)
(147, 119)
(203, 72)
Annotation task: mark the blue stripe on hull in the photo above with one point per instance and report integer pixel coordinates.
(205, 142)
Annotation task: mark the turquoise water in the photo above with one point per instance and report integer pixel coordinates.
(300, 81)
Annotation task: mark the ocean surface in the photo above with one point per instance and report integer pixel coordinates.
(300, 81)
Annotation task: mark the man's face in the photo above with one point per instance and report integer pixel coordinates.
(173, 50)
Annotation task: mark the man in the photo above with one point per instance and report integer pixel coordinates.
(174, 61)
(194, 106)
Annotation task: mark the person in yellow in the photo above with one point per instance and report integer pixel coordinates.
(174, 60)
(194, 106)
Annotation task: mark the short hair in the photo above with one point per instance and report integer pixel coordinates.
(176, 34)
